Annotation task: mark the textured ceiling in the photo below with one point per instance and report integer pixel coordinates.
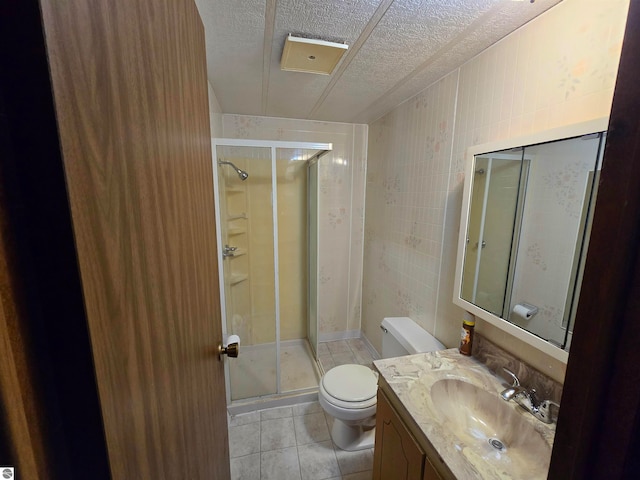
(396, 49)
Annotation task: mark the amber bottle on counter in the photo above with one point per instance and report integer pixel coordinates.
(466, 334)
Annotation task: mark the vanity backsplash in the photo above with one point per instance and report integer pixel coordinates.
(495, 358)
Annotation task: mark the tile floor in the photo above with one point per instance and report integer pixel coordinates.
(294, 442)
(340, 352)
(291, 443)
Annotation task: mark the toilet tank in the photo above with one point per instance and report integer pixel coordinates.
(402, 336)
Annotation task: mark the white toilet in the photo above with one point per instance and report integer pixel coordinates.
(348, 392)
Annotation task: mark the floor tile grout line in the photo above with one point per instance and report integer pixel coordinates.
(295, 437)
(260, 462)
(303, 412)
(260, 433)
(334, 448)
(333, 445)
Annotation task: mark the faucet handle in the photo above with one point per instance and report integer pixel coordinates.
(544, 410)
(515, 380)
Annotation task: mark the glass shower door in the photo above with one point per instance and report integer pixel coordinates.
(265, 219)
(312, 220)
(296, 266)
(247, 229)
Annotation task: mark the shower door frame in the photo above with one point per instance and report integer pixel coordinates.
(273, 145)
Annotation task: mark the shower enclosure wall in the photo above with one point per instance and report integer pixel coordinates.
(266, 205)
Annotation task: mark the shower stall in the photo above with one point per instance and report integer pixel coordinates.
(266, 195)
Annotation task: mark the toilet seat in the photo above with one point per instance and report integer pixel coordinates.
(350, 386)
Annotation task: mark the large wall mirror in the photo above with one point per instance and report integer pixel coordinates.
(524, 232)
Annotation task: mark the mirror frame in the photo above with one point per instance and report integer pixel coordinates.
(560, 133)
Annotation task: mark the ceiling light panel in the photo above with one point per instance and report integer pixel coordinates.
(408, 45)
(310, 55)
(294, 94)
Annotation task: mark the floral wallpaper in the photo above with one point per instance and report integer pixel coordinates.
(557, 70)
(522, 85)
(341, 182)
(407, 180)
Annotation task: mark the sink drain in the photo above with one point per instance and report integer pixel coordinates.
(497, 444)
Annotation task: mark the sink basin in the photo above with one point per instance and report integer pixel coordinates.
(486, 426)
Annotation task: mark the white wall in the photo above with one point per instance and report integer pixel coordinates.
(557, 70)
(341, 210)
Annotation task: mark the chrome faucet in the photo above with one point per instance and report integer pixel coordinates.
(229, 251)
(527, 399)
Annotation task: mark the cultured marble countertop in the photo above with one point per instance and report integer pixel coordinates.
(467, 454)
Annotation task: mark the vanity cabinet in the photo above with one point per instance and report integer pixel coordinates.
(398, 455)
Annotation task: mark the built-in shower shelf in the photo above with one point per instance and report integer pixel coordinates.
(236, 278)
(234, 189)
(238, 253)
(236, 231)
(236, 217)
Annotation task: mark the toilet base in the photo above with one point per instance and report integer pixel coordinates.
(352, 437)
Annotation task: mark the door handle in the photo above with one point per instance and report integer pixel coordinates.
(231, 349)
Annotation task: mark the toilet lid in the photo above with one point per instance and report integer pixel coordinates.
(350, 383)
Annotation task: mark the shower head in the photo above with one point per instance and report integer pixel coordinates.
(241, 173)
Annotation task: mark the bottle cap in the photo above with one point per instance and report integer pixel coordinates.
(468, 319)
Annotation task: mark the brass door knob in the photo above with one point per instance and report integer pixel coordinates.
(230, 350)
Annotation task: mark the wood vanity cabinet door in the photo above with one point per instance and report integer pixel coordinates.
(397, 455)
(430, 472)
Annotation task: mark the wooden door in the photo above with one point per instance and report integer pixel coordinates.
(129, 85)
(598, 430)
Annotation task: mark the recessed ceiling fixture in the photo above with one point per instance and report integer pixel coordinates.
(310, 55)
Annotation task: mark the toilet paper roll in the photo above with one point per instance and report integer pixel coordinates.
(524, 311)
(232, 339)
